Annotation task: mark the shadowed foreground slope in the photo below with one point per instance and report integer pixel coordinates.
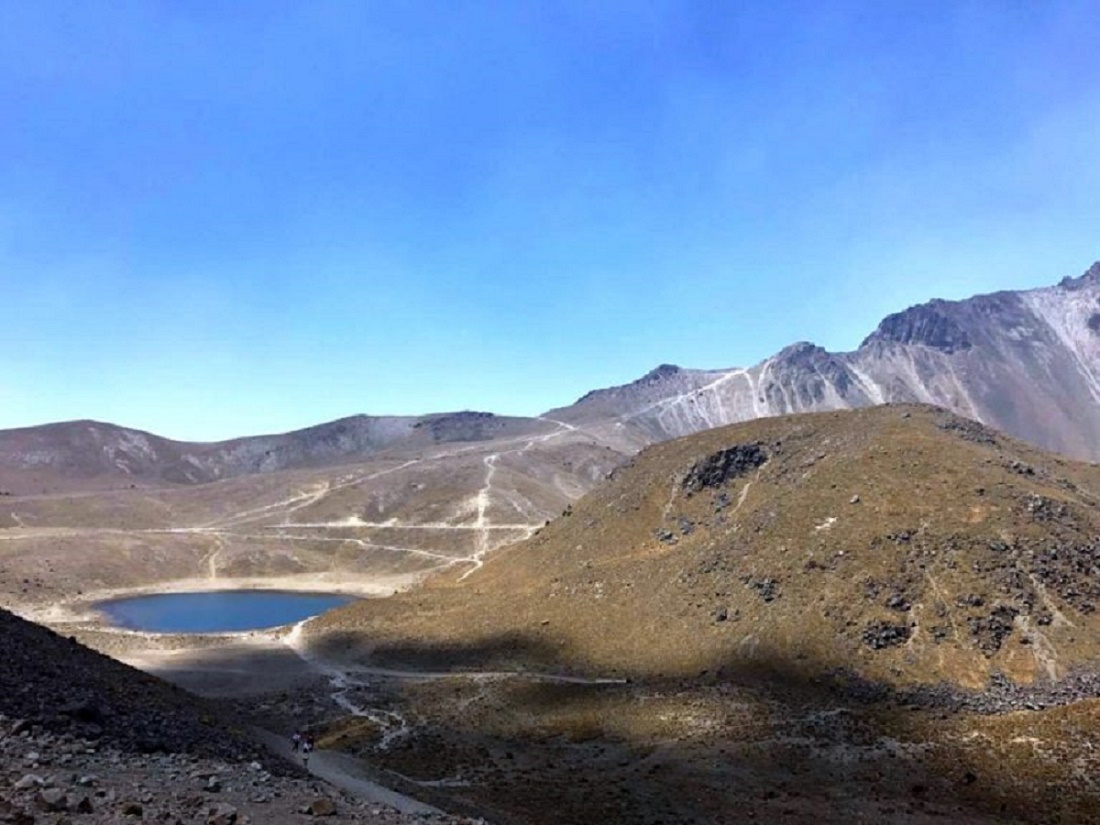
(86, 740)
(58, 683)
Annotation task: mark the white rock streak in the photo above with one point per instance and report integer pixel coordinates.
(1067, 317)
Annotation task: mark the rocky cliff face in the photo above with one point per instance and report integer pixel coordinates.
(926, 324)
(1026, 362)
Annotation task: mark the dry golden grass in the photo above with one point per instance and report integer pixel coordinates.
(944, 522)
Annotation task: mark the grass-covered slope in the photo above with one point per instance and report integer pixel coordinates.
(904, 544)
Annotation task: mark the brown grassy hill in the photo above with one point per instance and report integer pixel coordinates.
(799, 607)
(904, 544)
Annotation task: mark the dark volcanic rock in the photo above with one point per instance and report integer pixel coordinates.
(666, 536)
(462, 426)
(766, 587)
(58, 684)
(925, 324)
(992, 630)
(1001, 695)
(718, 468)
(879, 635)
(898, 602)
(968, 430)
(659, 374)
(1089, 276)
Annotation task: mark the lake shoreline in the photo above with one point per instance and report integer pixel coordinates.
(218, 611)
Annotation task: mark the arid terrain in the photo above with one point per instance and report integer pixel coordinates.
(879, 614)
(84, 739)
(836, 616)
(369, 527)
(886, 614)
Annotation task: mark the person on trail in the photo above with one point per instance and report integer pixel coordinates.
(307, 749)
(295, 741)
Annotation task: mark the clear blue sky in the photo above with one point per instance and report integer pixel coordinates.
(230, 218)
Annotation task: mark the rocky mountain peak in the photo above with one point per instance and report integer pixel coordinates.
(1090, 276)
(659, 373)
(928, 324)
(800, 352)
(652, 379)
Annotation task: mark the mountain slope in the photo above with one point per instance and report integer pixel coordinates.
(91, 454)
(62, 685)
(902, 543)
(1027, 363)
(887, 614)
(85, 739)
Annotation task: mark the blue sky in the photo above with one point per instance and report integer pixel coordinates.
(222, 219)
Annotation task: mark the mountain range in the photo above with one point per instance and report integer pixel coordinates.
(625, 609)
(1026, 363)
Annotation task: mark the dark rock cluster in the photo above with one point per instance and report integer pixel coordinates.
(1045, 510)
(968, 430)
(928, 324)
(55, 778)
(1089, 276)
(1001, 695)
(766, 587)
(664, 535)
(718, 468)
(990, 631)
(1073, 572)
(462, 426)
(879, 635)
(1064, 566)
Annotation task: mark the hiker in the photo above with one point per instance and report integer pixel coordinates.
(307, 749)
(295, 741)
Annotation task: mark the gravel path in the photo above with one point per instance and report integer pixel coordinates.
(346, 772)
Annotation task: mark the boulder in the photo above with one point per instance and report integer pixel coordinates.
(221, 814)
(321, 807)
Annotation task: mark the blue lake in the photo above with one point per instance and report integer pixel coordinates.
(218, 611)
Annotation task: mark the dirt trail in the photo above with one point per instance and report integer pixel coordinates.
(483, 497)
(344, 772)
